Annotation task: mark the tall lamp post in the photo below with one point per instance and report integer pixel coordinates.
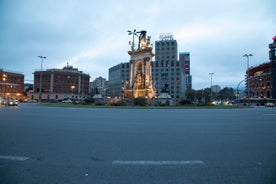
(247, 76)
(211, 74)
(133, 33)
(40, 80)
(4, 85)
(238, 92)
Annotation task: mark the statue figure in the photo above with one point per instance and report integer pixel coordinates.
(166, 88)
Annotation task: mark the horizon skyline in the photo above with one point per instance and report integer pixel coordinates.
(68, 64)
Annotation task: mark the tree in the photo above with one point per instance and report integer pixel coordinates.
(190, 95)
(227, 93)
(203, 95)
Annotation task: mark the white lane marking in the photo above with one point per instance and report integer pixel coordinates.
(16, 158)
(157, 162)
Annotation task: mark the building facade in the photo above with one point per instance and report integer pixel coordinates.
(260, 82)
(272, 58)
(118, 77)
(11, 85)
(184, 59)
(262, 78)
(167, 70)
(60, 84)
(99, 86)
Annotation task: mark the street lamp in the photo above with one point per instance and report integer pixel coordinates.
(248, 86)
(4, 85)
(133, 33)
(40, 81)
(211, 74)
(238, 92)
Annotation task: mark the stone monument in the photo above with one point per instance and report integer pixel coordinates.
(140, 84)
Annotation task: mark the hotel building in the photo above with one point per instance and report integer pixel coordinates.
(60, 84)
(11, 85)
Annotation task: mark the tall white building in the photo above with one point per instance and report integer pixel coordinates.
(167, 69)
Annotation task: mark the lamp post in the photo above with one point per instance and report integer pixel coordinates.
(40, 80)
(248, 86)
(238, 93)
(133, 33)
(211, 74)
(4, 85)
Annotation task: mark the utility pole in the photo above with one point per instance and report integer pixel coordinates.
(40, 80)
(211, 74)
(248, 85)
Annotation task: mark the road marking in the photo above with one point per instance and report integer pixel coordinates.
(16, 158)
(158, 162)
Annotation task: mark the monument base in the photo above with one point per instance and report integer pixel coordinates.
(144, 93)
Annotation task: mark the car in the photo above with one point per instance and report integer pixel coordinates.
(269, 104)
(12, 103)
(54, 100)
(3, 102)
(67, 101)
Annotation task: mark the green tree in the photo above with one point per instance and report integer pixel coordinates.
(227, 93)
(190, 95)
(203, 95)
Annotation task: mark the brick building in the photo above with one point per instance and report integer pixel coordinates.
(260, 81)
(60, 84)
(11, 85)
(262, 78)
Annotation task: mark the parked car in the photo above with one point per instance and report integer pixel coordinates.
(54, 100)
(67, 101)
(3, 102)
(269, 104)
(12, 103)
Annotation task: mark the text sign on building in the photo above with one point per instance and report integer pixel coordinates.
(166, 36)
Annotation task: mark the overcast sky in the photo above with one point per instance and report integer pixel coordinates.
(92, 35)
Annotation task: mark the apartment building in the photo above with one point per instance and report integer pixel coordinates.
(11, 85)
(59, 84)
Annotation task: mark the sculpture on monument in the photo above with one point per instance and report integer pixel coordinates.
(141, 70)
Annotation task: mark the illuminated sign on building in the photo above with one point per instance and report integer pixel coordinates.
(166, 36)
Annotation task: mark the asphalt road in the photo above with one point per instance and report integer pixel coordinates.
(156, 146)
